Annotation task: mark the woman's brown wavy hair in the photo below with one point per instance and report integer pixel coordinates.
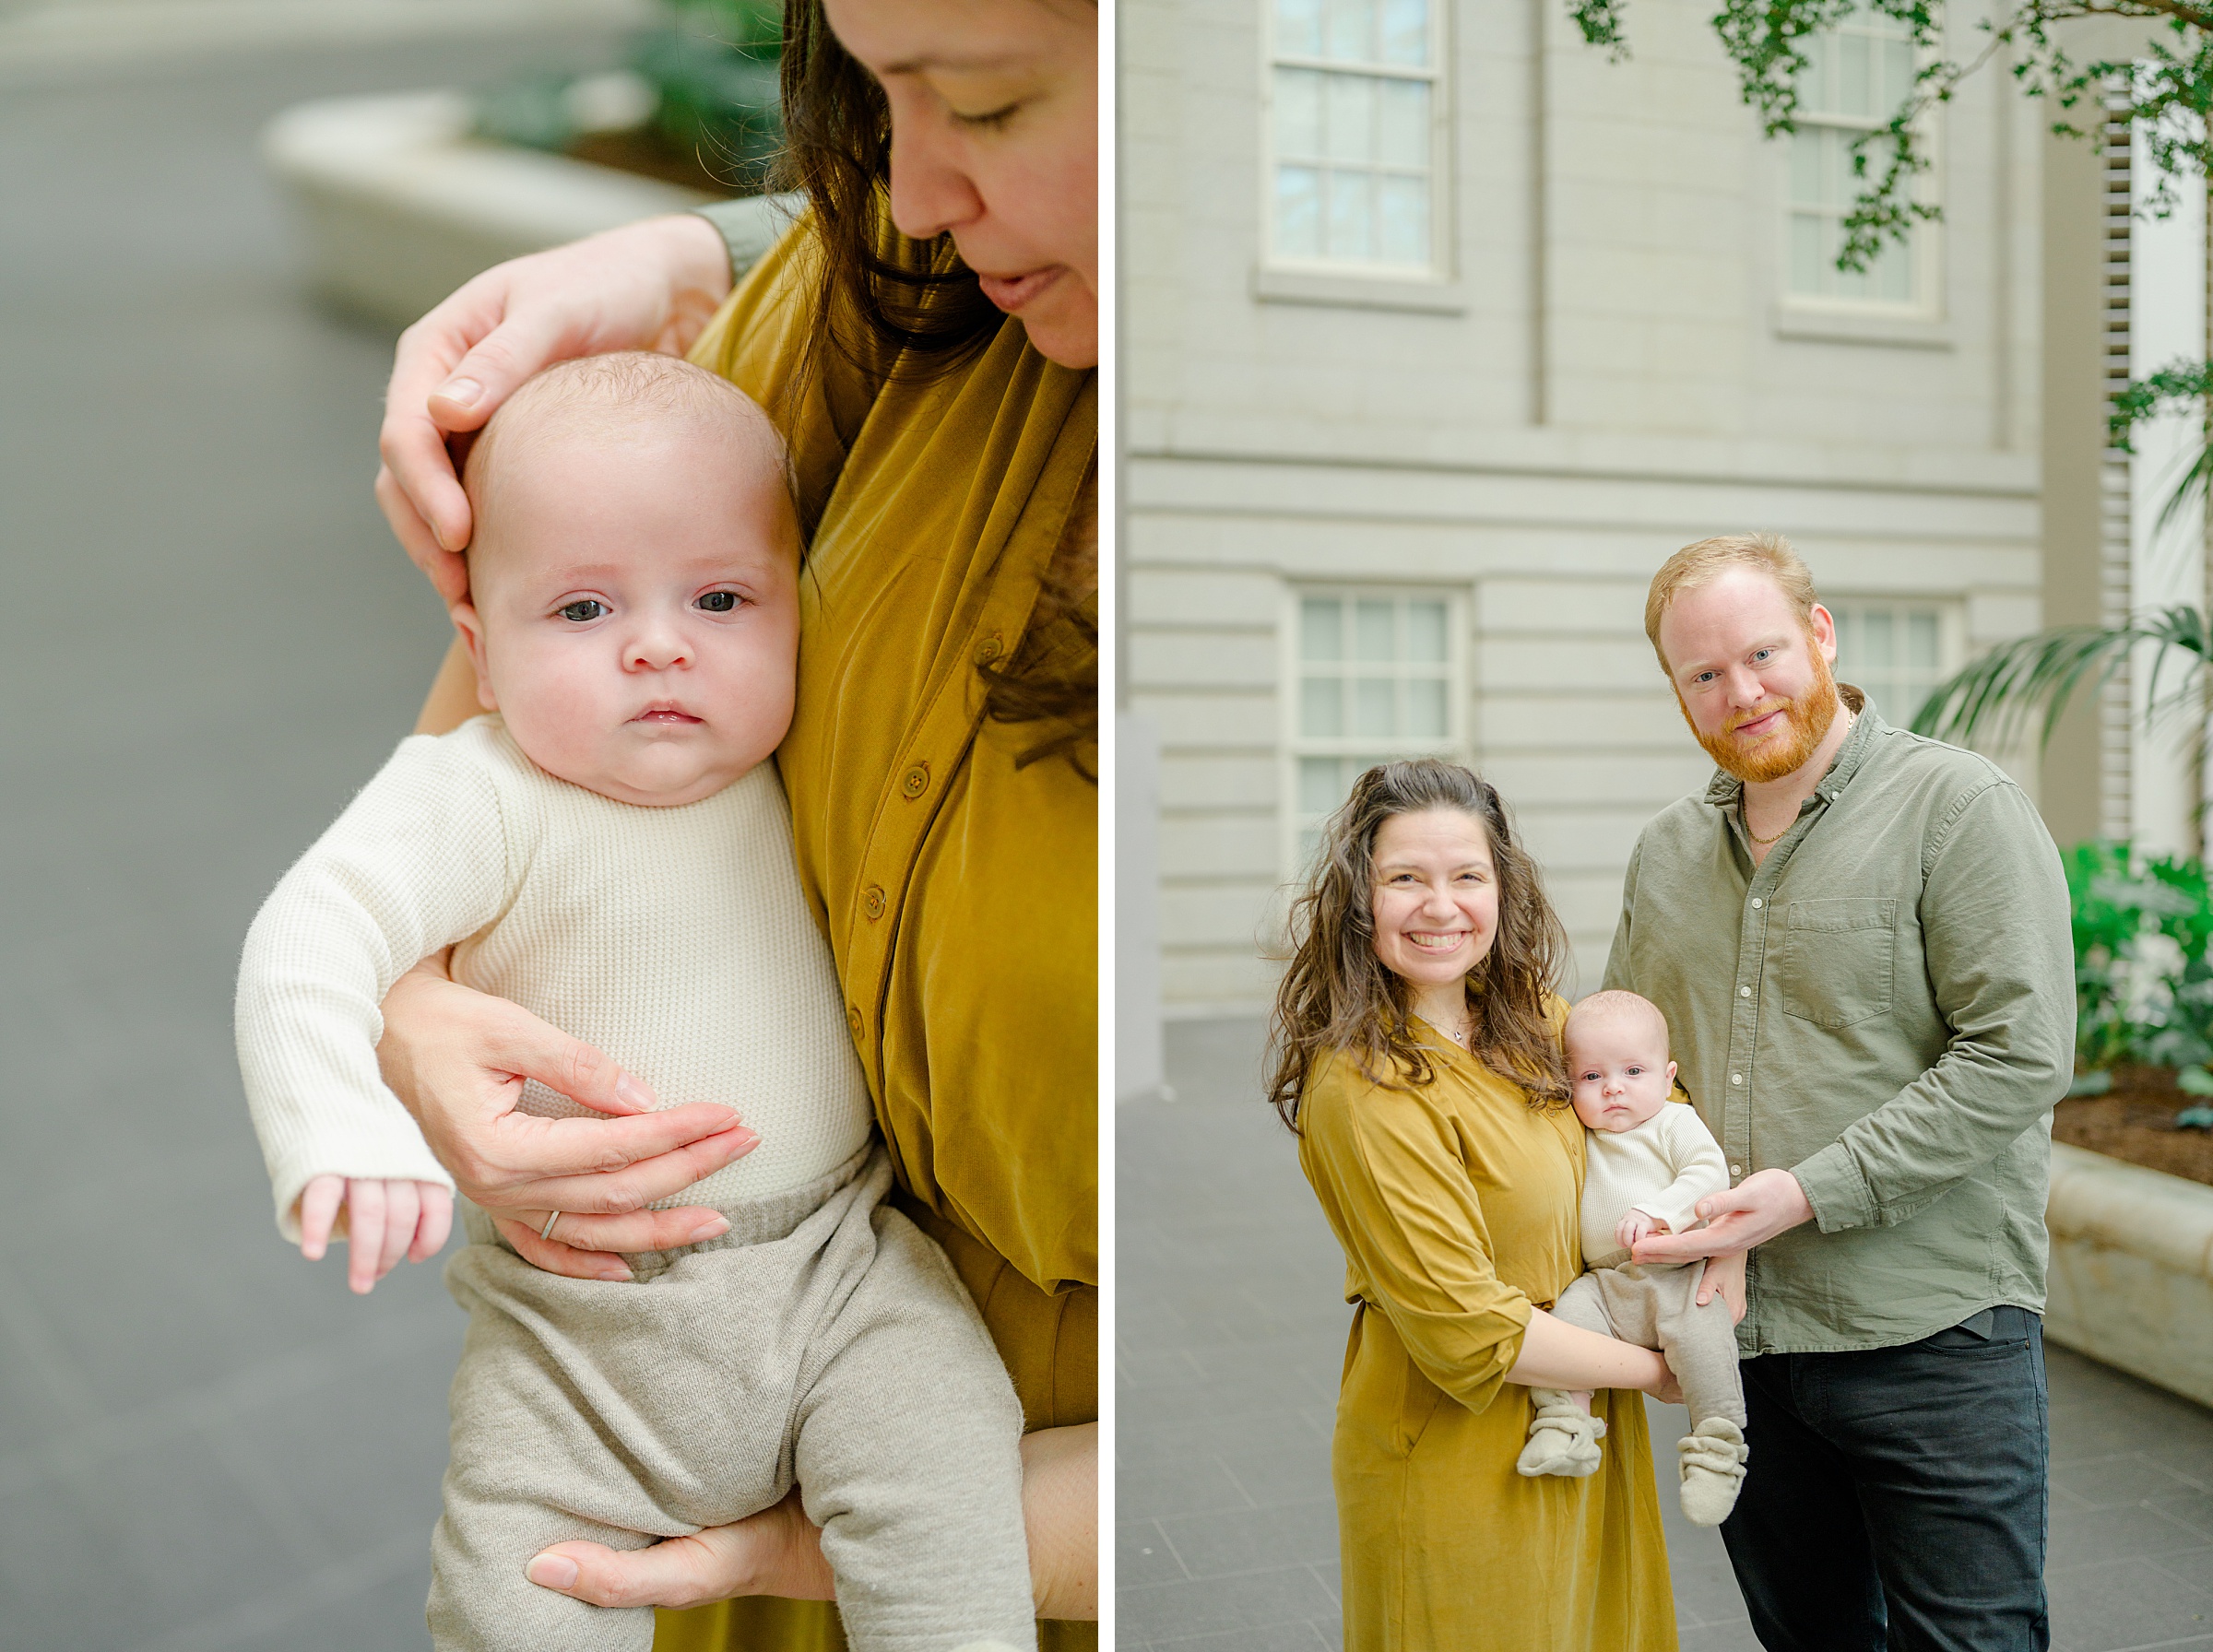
(1338, 996)
(901, 309)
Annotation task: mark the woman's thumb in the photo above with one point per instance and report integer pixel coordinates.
(584, 1073)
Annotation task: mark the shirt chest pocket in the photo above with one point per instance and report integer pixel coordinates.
(1838, 961)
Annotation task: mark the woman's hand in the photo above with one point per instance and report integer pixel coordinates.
(779, 1550)
(651, 285)
(458, 1061)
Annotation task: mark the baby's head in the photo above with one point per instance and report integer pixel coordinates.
(1617, 1064)
(632, 610)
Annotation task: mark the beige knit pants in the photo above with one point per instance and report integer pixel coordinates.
(823, 1339)
(1657, 1308)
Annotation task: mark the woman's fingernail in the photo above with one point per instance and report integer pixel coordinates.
(629, 1090)
(715, 1227)
(552, 1571)
(746, 1139)
(462, 392)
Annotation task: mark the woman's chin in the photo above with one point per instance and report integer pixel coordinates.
(1065, 332)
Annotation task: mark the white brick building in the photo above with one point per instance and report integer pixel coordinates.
(1441, 330)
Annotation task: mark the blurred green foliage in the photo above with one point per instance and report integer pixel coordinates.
(2143, 984)
(712, 66)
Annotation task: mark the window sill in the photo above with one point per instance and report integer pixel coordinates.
(1904, 330)
(1354, 290)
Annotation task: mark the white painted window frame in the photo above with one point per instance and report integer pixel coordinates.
(1951, 631)
(1346, 281)
(1814, 315)
(1453, 745)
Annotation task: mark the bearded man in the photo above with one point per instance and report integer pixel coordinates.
(1860, 940)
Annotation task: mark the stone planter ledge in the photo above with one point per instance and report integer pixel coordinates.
(399, 205)
(2132, 1270)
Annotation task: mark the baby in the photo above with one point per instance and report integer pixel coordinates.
(612, 850)
(1648, 1163)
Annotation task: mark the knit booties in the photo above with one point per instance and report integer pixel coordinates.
(1713, 1467)
(1563, 1438)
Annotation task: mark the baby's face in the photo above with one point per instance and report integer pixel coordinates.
(634, 608)
(1619, 1071)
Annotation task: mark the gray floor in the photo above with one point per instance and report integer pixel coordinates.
(205, 1443)
(1230, 1333)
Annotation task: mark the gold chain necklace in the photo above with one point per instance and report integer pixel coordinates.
(1765, 842)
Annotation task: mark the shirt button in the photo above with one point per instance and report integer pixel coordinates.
(1736, 1170)
(1737, 1078)
(987, 650)
(853, 1019)
(1757, 903)
(872, 901)
(1744, 992)
(914, 782)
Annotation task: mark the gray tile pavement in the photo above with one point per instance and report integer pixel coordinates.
(1229, 1337)
(209, 640)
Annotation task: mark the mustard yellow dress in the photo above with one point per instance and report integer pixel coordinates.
(958, 886)
(1456, 1206)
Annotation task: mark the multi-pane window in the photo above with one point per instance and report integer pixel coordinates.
(1894, 652)
(1375, 680)
(1857, 76)
(1352, 107)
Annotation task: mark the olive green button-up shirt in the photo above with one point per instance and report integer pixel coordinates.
(1885, 1006)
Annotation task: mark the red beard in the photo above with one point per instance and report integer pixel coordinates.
(1805, 722)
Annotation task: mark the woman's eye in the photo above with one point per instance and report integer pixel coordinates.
(990, 120)
(720, 602)
(587, 609)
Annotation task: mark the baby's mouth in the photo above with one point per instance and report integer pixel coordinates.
(666, 714)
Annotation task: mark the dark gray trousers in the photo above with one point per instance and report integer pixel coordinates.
(1896, 1499)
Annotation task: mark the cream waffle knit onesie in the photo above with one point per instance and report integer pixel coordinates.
(823, 1337)
(1663, 1167)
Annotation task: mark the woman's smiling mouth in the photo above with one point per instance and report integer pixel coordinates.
(1434, 942)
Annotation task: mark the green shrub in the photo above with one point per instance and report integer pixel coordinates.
(713, 68)
(2143, 985)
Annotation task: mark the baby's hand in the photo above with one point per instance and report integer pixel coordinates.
(385, 1221)
(1637, 1225)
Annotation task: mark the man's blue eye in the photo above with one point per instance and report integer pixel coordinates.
(589, 608)
(719, 602)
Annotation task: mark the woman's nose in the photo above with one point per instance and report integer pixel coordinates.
(930, 192)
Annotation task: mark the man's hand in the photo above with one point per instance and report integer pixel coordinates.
(1763, 1203)
(385, 1221)
(1634, 1226)
(1724, 1277)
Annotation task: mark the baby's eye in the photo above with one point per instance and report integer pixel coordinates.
(1635, 1072)
(583, 610)
(720, 602)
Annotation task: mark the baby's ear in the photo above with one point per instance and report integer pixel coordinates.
(1671, 1070)
(466, 621)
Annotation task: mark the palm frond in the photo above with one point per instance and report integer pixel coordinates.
(1994, 698)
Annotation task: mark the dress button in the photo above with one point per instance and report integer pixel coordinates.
(914, 782)
(987, 650)
(1757, 903)
(872, 901)
(1744, 992)
(853, 1019)
(1737, 1078)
